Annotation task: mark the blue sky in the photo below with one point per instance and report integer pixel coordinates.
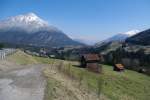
(91, 20)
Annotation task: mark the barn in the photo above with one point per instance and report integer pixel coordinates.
(118, 67)
(90, 61)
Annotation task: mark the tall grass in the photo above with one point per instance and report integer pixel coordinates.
(87, 79)
(128, 85)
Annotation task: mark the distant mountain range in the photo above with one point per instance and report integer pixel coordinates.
(29, 29)
(142, 38)
(85, 41)
(121, 37)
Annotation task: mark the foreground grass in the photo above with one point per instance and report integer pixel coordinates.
(50, 92)
(128, 85)
(55, 90)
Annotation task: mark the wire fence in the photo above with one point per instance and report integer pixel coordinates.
(6, 52)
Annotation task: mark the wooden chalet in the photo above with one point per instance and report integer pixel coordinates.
(118, 67)
(90, 61)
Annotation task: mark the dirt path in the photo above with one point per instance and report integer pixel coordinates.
(22, 82)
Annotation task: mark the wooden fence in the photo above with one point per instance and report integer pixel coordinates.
(6, 52)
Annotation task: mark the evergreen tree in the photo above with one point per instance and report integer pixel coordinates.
(1, 45)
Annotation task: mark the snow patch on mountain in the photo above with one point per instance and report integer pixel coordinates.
(131, 33)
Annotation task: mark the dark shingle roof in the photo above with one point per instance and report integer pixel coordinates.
(91, 57)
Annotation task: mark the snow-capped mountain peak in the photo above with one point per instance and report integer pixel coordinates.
(31, 14)
(29, 29)
(123, 36)
(28, 18)
(119, 37)
(29, 22)
(131, 33)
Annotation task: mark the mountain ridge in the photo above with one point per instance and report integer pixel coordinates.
(121, 37)
(142, 38)
(29, 29)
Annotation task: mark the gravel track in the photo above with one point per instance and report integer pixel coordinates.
(24, 83)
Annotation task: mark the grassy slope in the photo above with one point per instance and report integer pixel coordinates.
(43, 60)
(128, 85)
(21, 58)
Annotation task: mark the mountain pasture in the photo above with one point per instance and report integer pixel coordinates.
(127, 85)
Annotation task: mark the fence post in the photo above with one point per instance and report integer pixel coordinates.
(6, 52)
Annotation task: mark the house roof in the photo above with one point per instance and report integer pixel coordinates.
(120, 66)
(91, 57)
